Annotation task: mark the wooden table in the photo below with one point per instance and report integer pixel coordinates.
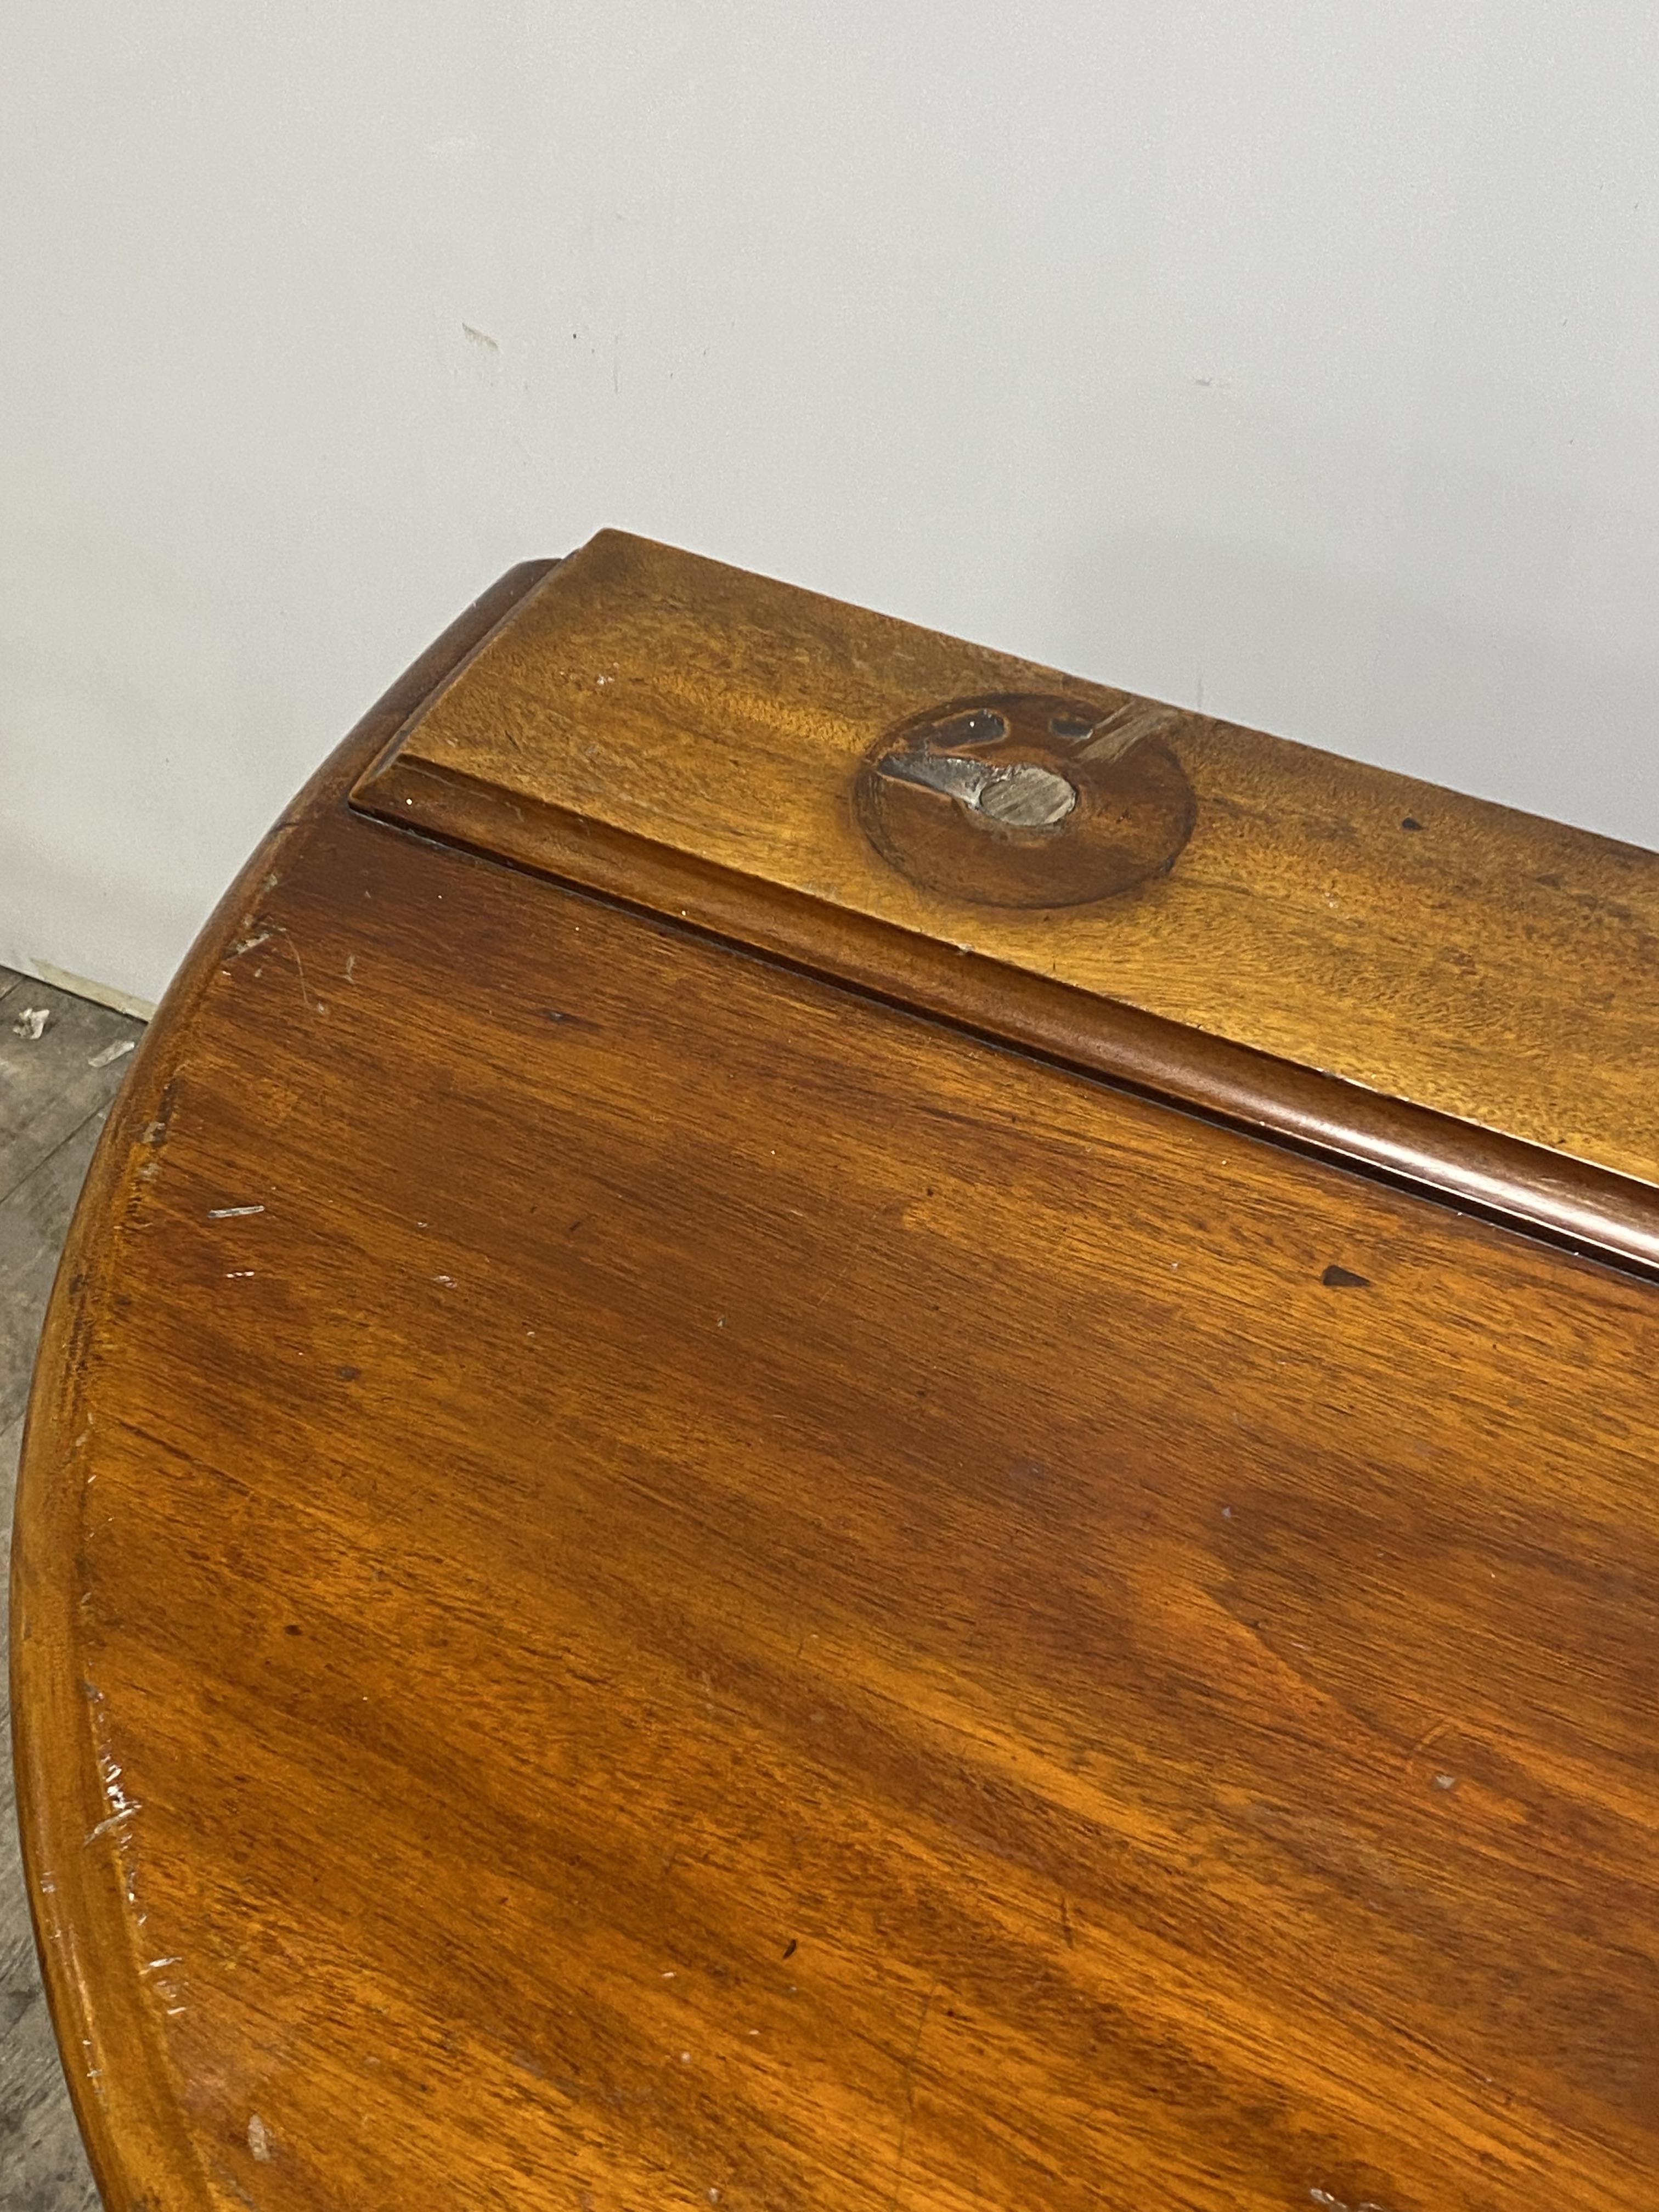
(836, 1425)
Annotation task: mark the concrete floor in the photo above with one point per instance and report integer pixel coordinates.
(58, 1076)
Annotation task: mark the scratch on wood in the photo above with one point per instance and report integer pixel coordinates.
(1428, 1736)
(312, 1006)
(910, 2097)
(104, 1827)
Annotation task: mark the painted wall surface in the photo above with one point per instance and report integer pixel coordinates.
(1298, 359)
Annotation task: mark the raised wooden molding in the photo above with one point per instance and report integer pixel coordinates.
(1423, 985)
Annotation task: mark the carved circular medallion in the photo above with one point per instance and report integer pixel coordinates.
(1028, 799)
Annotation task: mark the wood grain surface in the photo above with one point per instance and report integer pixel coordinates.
(1484, 965)
(644, 1582)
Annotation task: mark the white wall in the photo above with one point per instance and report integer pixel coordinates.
(1295, 358)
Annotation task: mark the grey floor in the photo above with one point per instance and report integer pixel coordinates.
(58, 1076)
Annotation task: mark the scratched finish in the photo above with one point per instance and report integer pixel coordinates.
(644, 1583)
